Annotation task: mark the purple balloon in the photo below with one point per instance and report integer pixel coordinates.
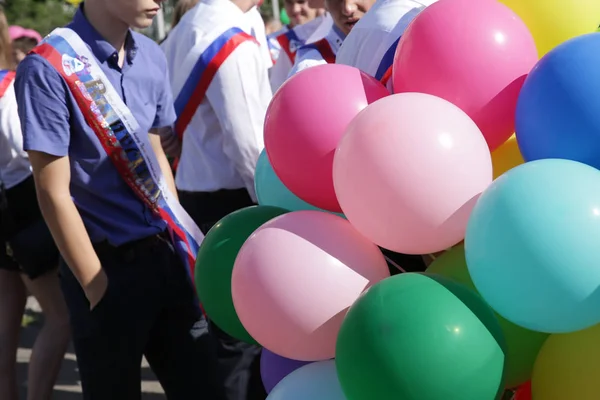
(274, 368)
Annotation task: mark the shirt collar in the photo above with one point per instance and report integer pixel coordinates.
(225, 5)
(339, 32)
(102, 50)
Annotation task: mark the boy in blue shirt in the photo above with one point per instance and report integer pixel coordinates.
(94, 102)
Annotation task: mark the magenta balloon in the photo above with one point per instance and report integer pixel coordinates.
(295, 278)
(408, 172)
(475, 54)
(305, 122)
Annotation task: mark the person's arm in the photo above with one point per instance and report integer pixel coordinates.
(52, 180)
(169, 141)
(280, 71)
(240, 94)
(305, 59)
(42, 106)
(165, 167)
(165, 116)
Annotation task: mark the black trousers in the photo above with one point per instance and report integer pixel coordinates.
(239, 361)
(410, 263)
(149, 309)
(26, 244)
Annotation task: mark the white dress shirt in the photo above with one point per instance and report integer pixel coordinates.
(222, 143)
(283, 64)
(322, 30)
(257, 29)
(377, 31)
(14, 163)
(307, 57)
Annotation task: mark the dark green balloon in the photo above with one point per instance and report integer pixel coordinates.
(420, 337)
(214, 265)
(522, 344)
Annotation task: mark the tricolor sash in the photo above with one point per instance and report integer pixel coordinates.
(324, 48)
(6, 78)
(118, 132)
(384, 71)
(289, 42)
(274, 49)
(194, 89)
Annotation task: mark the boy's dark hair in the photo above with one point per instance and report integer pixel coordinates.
(24, 43)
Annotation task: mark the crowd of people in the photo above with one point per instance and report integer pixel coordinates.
(99, 225)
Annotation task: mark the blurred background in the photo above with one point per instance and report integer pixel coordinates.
(45, 15)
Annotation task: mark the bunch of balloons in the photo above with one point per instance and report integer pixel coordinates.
(484, 153)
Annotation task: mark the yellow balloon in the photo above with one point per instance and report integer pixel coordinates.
(553, 22)
(74, 2)
(568, 367)
(506, 157)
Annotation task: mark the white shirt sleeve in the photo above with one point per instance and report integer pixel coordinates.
(10, 125)
(259, 33)
(14, 162)
(305, 59)
(240, 94)
(280, 71)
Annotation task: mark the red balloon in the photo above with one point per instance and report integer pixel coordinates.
(305, 121)
(524, 392)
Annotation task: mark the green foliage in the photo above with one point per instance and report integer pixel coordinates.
(41, 15)
(266, 9)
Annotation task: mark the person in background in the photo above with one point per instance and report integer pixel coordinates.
(272, 25)
(221, 90)
(106, 191)
(23, 41)
(181, 7)
(28, 255)
(372, 43)
(284, 43)
(345, 14)
(326, 23)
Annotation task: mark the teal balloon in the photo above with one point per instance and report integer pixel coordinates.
(270, 191)
(532, 245)
(315, 381)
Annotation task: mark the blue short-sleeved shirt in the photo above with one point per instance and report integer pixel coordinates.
(52, 123)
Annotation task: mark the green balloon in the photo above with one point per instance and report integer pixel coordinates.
(214, 265)
(283, 17)
(416, 336)
(522, 344)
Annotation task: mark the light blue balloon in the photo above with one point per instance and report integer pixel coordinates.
(316, 381)
(533, 245)
(270, 191)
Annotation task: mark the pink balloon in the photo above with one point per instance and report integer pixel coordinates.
(408, 172)
(295, 278)
(475, 54)
(305, 122)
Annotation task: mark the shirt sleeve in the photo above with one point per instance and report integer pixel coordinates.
(42, 106)
(258, 31)
(280, 71)
(165, 109)
(240, 94)
(306, 59)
